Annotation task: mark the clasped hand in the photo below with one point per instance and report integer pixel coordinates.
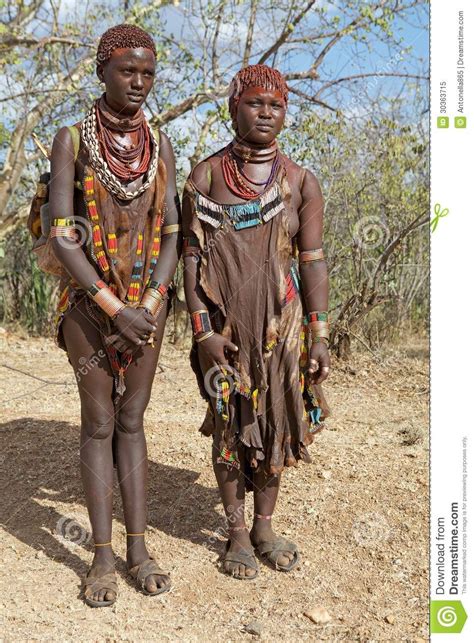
(134, 327)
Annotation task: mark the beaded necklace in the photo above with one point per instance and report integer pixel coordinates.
(235, 155)
(98, 162)
(119, 158)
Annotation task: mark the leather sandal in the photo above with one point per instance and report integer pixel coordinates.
(91, 585)
(241, 558)
(270, 550)
(148, 568)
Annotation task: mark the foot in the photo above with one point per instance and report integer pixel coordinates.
(103, 563)
(262, 532)
(136, 554)
(239, 543)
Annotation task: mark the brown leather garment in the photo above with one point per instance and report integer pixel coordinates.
(243, 274)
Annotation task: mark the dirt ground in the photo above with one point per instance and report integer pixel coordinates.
(359, 512)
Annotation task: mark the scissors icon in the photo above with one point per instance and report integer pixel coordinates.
(438, 215)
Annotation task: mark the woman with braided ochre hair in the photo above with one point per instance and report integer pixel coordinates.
(251, 216)
(115, 230)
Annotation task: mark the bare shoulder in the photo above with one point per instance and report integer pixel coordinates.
(63, 145)
(201, 174)
(310, 188)
(302, 180)
(166, 149)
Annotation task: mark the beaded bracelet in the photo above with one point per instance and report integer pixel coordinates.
(105, 299)
(154, 297)
(306, 256)
(62, 228)
(205, 336)
(191, 246)
(200, 322)
(318, 321)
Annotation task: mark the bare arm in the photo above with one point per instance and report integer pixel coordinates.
(170, 248)
(314, 276)
(195, 298)
(61, 205)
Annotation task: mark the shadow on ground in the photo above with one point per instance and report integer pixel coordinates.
(40, 467)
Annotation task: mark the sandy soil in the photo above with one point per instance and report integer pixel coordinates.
(359, 512)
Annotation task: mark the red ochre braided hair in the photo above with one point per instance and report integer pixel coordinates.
(123, 37)
(255, 76)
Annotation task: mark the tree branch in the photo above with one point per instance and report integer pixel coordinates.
(311, 99)
(368, 75)
(286, 33)
(215, 39)
(249, 40)
(11, 41)
(211, 119)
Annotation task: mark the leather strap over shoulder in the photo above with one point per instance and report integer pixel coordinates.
(303, 174)
(76, 139)
(157, 135)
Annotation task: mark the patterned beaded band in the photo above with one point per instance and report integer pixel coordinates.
(63, 222)
(154, 297)
(311, 255)
(63, 228)
(318, 322)
(169, 229)
(317, 316)
(63, 231)
(105, 299)
(191, 246)
(200, 322)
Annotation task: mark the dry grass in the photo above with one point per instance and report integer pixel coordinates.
(359, 513)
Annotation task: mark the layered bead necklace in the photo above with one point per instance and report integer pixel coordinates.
(236, 155)
(118, 157)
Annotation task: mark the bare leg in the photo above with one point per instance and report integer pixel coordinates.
(132, 462)
(231, 484)
(95, 383)
(265, 497)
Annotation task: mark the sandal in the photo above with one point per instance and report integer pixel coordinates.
(148, 568)
(270, 550)
(91, 585)
(241, 557)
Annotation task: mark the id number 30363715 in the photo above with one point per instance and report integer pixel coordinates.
(442, 97)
